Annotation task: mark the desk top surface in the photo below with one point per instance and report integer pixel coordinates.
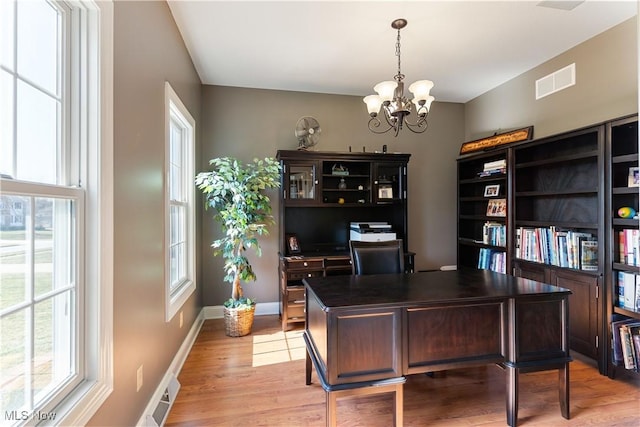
(426, 287)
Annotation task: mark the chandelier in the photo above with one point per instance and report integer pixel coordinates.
(395, 106)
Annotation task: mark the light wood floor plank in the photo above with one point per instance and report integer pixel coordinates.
(221, 387)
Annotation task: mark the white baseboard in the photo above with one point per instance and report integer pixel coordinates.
(174, 368)
(262, 309)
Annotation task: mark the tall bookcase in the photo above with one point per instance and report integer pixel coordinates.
(622, 150)
(558, 204)
(483, 231)
(562, 195)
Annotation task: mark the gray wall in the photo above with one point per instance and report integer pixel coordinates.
(606, 88)
(248, 123)
(148, 50)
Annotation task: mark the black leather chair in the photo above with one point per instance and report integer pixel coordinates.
(377, 257)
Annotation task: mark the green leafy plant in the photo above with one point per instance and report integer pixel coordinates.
(236, 192)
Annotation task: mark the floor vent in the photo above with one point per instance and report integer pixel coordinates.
(161, 412)
(554, 82)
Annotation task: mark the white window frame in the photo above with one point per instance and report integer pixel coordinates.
(91, 129)
(176, 111)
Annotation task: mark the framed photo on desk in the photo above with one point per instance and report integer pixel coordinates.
(293, 246)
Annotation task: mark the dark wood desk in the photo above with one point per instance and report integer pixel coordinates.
(365, 333)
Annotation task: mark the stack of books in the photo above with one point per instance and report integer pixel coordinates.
(494, 233)
(493, 168)
(489, 259)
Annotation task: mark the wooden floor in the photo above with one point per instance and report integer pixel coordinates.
(258, 380)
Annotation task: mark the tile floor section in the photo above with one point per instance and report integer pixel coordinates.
(279, 347)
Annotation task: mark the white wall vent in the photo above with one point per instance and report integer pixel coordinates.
(556, 81)
(161, 410)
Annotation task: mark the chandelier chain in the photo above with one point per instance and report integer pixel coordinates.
(399, 76)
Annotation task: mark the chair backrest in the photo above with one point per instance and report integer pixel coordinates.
(377, 257)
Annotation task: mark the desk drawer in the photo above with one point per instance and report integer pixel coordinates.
(295, 311)
(299, 275)
(305, 264)
(295, 295)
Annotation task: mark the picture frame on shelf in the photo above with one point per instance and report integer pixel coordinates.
(497, 207)
(634, 177)
(385, 192)
(492, 190)
(293, 245)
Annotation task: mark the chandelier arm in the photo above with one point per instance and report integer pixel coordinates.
(420, 126)
(374, 124)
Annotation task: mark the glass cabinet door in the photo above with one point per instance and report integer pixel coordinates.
(388, 182)
(301, 182)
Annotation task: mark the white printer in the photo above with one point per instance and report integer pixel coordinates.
(371, 232)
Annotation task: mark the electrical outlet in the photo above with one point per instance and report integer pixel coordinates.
(181, 319)
(139, 378)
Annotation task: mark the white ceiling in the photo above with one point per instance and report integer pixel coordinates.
(345, 47)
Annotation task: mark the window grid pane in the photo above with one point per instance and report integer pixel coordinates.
(177, 246)
(38, 42)
(7, 33)
(176, 169)
(32, 103)
(38, 338)
(15, 260)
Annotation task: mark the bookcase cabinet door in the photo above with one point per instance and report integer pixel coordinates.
(584, 312)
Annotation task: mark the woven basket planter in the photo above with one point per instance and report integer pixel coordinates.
(238, 321)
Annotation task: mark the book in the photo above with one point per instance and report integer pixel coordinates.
(620, 285)
(635, 339)
(629, 291)
(625, 341)
(497, 164)
(616, 341)
(589, 255)
(637, 298)
(634, 331)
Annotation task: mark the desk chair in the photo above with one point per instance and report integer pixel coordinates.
(377, 257)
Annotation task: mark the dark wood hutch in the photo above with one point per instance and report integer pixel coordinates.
(322, 194)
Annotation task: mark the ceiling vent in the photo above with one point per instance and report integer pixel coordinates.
(554, 82)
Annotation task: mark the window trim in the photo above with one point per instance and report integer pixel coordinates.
(176, 299)
(99, 233)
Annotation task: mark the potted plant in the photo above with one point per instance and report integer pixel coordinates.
(243, 210)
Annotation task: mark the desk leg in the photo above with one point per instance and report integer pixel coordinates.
(332, 402)
(563, 389)
(308, 368)
(512, 396)
(398, 400)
